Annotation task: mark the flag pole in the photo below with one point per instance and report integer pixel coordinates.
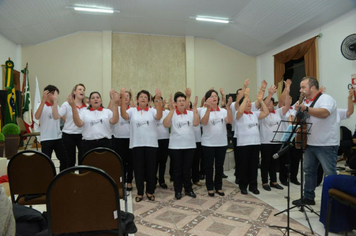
(24, 72)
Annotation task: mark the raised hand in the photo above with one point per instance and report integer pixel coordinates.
(222, 92)
(55, 96)
(195, 103)
(229, 102)
(263, 85)
(70, 100)
(158, 94)
(188, 92)
(208, 102)
(272, 90)
(45, 95)
(122, 93)
(171, 103)
(247, 92)
(246, 83)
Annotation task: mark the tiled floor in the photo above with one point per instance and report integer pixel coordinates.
(233, 214)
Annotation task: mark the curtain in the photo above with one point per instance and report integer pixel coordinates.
(307, 49)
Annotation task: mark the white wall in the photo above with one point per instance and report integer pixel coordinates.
(334, 70)
(9, 49)
(217, 65)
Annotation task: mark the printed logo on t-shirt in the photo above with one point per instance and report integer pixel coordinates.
(95, 122)
(124, 122)
(272, 124)
(50, 116)
(217, 121)
(139, 124)
(250, 126)
(182, 124)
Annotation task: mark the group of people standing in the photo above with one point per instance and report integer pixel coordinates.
(140, 134)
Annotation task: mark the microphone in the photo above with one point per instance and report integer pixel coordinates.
(282, 151)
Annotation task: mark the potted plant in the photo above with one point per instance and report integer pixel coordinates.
(12, 139)
(2, 144)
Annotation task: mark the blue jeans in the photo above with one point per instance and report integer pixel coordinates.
(327, 156)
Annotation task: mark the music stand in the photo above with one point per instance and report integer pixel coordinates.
(287, 142)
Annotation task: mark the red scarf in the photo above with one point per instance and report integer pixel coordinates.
(99, 109)
(83, 105)
(181, 113)
(307, 101)
(48, 104)
(217, 109)
(140, 109)
(248, 112)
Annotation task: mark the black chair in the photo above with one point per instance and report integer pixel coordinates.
(30, 173)
(341, 197)
(83, 202)
(29, 136)
(109, 161)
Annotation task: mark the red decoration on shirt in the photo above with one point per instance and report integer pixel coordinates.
(307, 101)
(48, 104)
(248, 112)
(140, 109)
(181, 113)
(128, 108)
(217, 109)
(273, 111)
(99, 109)
(83, 105)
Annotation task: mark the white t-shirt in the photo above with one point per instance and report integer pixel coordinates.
(269, 125)
(69, 125)
(122, 128)
(233, 113)
(247, 131)
(143, 128)
(96, 124)
(162, 132)
(182, 131)
(341, 115)
(324, 132)
(214, 133)
(50, 128)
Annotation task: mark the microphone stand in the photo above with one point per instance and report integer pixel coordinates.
(282, 151)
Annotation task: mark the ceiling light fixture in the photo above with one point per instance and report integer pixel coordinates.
(212, 19)
(94, 9)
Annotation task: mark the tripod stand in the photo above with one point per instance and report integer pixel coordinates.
(287, 139)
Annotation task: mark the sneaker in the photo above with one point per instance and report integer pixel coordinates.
(305, 201)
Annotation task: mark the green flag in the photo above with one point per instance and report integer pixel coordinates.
(26, 110)
(11, 109)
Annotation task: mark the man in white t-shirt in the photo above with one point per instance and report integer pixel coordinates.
(324, 137)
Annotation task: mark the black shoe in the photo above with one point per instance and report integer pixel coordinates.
(296, 182)
(191, 194)
(244, 191)
(305, 201)
(277, 186)
(178, 195)
(236, 181)
(255, 191)
(163, 185)
(221, 193)
(266, 187)
(211, 194)
(224, 176)
(285, 183)
(201, 177)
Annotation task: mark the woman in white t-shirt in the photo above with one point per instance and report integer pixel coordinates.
(248, 141)
(214, 139)
(162, 152)
(182, 142)
(143, 140)
(268, 126)
(121, 142)
(71, 134)
(96, 121)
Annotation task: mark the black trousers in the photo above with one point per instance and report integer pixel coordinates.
(88, 145)
(234, 142)
(196, 163)
(71, 143)
(122, 147)
(182, 165)
(268, 163)
(248, 166)
(162, 156)
(58, 147)
(291, 158)
(217, 155)
(144, 165)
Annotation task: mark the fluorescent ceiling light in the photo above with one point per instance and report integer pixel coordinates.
(92, 9)
(217, 20)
